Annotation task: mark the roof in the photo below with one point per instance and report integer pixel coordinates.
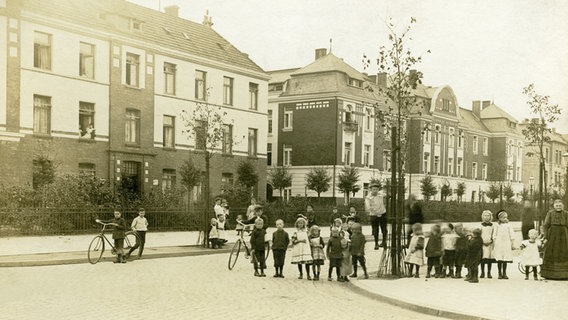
(471, 121)
(493, 111)
(328, 63)
(159, 28)
(278, 76)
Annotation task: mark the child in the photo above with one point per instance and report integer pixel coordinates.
(503, 238)
(530, 256)
(118, 235)
(434, 251)
(239, 227)
(257, 247)
(301, 252)
(334, 253)
(415, 255)
(357, 250)
(221, 222)
(337, 223)
(449, 238)
(214, 234)
(461, 249)
(318, 256)
(486, 236)
(334, 215)
(140, 226)
(280, 242)
(346, 267)
(474, 254)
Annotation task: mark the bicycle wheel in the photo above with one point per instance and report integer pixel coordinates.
(521, 268)
(234, 255)
(96, 249)
(130, 240)
(266, 249)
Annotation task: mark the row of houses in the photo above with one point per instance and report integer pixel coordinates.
(100, 87)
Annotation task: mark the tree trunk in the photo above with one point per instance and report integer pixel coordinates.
(207, 200)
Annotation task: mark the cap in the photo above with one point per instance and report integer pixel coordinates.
(374, 184)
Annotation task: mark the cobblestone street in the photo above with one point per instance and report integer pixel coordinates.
(199, 287)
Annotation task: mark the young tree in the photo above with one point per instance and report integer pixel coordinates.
(427, 187)
(318, 180)
(190, 177)
(43, 171)
(460, 190)
(205, 125)
(280, 179)
(348, 179)
(508, 192)
(537, 134)
(494, 192)
(247, 176)
(445, 191)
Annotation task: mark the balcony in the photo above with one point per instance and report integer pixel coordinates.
(350, 126)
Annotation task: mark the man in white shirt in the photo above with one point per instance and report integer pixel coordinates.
(376, 209)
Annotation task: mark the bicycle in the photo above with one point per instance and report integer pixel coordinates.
(234, 255)
(97, 245)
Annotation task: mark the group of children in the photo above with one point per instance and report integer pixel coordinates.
(450, 248)
(344, 249)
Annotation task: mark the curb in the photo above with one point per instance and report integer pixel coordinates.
(415, 307)
(46, 262)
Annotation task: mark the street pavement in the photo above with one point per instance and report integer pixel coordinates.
(190, 280)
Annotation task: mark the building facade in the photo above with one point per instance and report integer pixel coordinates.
(329, 115)
(101, 87)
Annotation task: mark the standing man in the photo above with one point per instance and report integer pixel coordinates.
(376, 209)
(140, 226)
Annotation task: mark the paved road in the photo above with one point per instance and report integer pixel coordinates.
(199, 287)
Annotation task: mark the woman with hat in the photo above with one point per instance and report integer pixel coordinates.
(555, 260)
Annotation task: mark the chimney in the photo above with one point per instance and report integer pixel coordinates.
(382, 79)
(207, 20)
(172, 10)
(476, 108)
(485, 104)
(321, 52)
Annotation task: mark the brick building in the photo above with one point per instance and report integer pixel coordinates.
(99, 87)
(326, 114)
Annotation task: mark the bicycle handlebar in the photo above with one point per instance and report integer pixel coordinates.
(105, 224)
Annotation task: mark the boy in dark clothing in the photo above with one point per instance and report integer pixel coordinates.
(474, 254)
(334, 253)
(434, 251)
(257, 247)
(357, 250)
(280, 242)
(461, 249)
(118, 235)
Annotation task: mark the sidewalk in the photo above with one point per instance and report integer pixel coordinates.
(515, 298)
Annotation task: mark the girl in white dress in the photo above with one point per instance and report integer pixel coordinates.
(415, 255)
(487, 258)
(530, 256)
(301, 251)
(503, 239)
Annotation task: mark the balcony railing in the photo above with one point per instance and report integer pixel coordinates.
(350, 126)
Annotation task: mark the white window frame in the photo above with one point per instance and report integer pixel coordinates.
(287, 155)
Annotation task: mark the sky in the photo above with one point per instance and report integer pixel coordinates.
(484, 50)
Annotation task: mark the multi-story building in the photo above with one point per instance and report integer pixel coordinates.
(326, 115)
(100, 87)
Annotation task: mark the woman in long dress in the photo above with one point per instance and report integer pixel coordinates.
(555, 259)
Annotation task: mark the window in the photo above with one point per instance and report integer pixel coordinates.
(368, 119)
(132, 127)
(386, 160)
(200, 84)
(168, 178)
(474, 170)
(426, 163)
(445, 105)
(269, 121)
(460, 139)
(132, 69)
(349, 113)
(437, 134)
(227, 139)
(200, 134)
(355, 82)
(131, 181)
(287, 156)
(484, 171)
(42, 114)
(347, 152)
(42, 50)
(450, 166)
(485, 146)
(87, 169)
(169, 78)
(87, 60)
(287, 194)
(459, 167)
(518, 173)
(253, 92)
(475, 145)
(288, 117)
(227, 178)
(269, 154)
(276, 87)
(452, 138)
(228, 91)
(252, 140)
(366, 155)
(87, 120)
(427, 135)
(169, 130)
(437, 164)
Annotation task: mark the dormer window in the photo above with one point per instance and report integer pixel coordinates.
(355, 83)
(276, 87)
